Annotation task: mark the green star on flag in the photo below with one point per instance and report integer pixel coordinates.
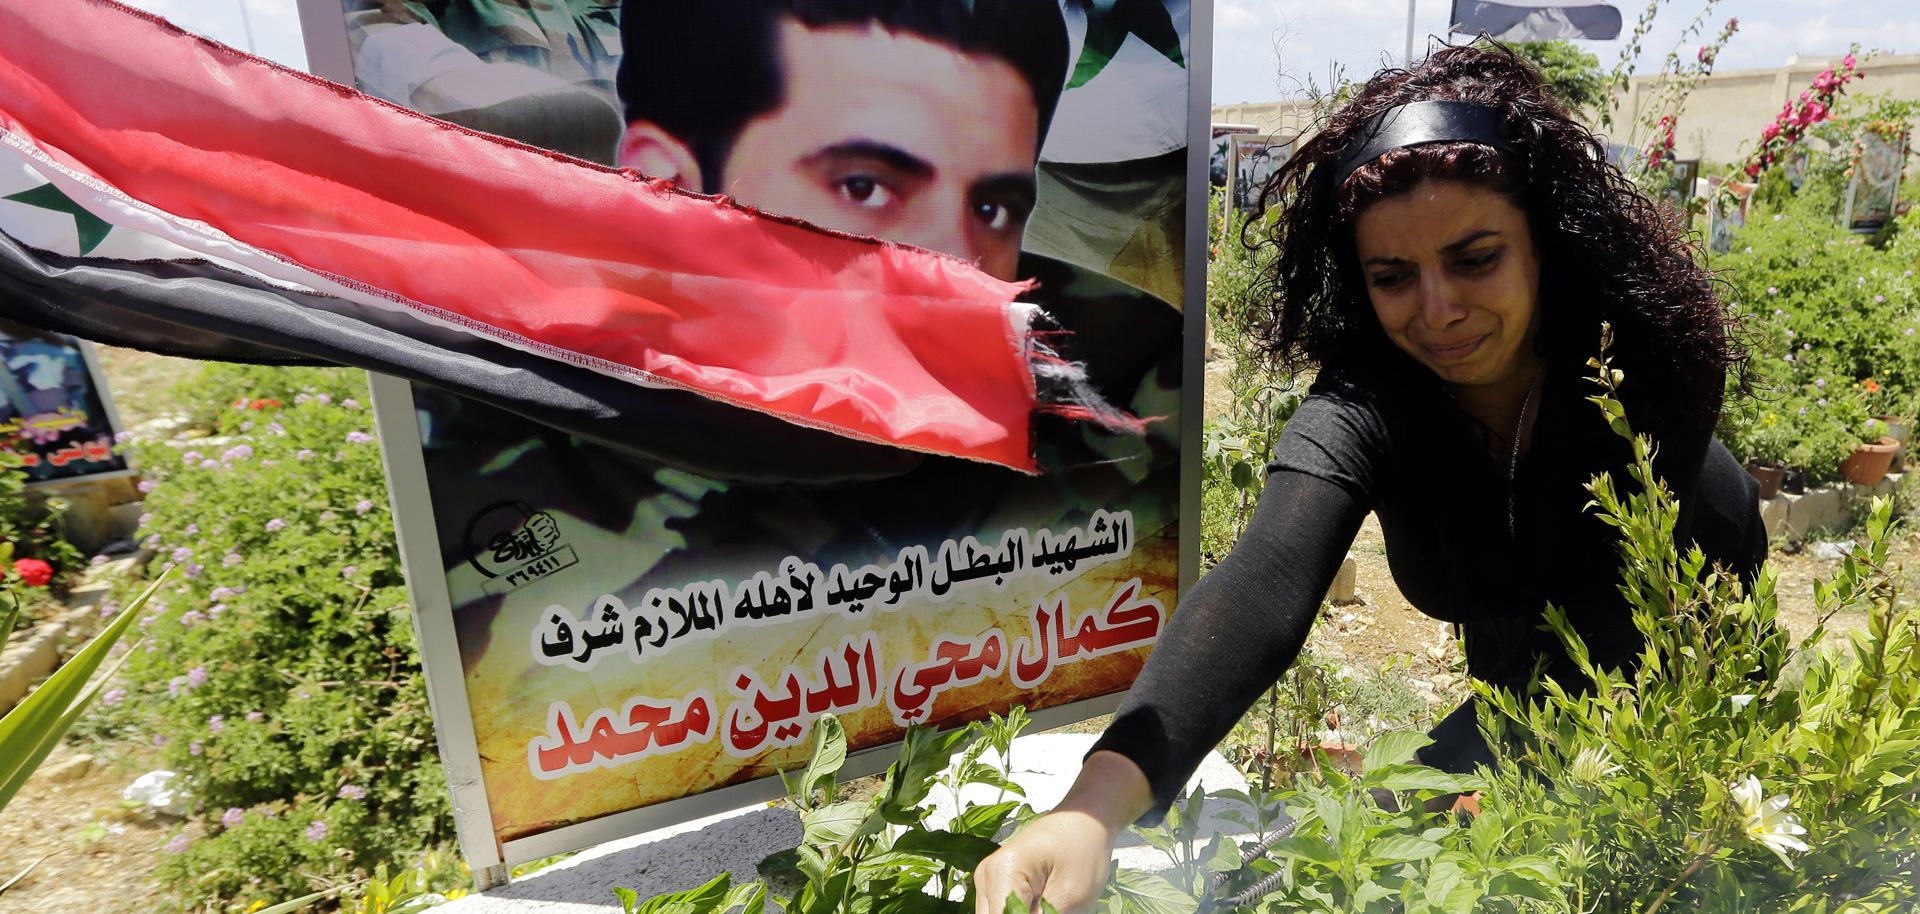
(1109, 22)
(91, 228)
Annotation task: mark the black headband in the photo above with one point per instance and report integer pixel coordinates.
(1418, 123)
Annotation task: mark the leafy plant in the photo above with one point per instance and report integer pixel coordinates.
(281, 679)
(30, 731)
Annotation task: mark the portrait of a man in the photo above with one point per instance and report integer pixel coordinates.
(917, 122)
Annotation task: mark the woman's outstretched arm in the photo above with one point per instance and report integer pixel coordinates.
(1232, 636)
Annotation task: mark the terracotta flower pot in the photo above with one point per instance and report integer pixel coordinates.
(1768, 477)
(1869, 462)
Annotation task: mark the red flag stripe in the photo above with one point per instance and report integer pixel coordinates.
(874, 340)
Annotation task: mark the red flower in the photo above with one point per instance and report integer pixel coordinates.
(33, 572)
(1872, 386)
(264, 403)
(1753, 171)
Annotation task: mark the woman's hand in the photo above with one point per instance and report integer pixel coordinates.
(1064, 855)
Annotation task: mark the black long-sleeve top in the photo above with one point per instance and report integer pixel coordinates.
(1443, 503)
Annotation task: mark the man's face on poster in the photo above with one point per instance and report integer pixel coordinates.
(881, 133)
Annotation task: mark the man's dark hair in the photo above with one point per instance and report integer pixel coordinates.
(701, 69)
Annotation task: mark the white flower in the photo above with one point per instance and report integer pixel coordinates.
(1767, 821)
(1591, 766)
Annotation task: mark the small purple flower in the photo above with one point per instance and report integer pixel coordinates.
(182, 553)
(358, 437)
(216, 723)
(191, 530)
(1909, 332)
(222, 593)
(152, 541)
(1806, 346)
(233, 817)
(352, 792)
(209, 464)
(1788, 357)
(1791, 334)
(197, 677)
(192, 616)
(363, 506)
(328, 517)
(146, 518)
(122, 437)
(147, 621)
(1820, 402)
(175, 686)
(255, 717)
(1773, 290)
(317, 831)
(113, 697)
(192, 457)
(303, 454)
(324, 398)
(1803, 410)
(275, 428)
(349, 571)
(247, 426)
(1879, 299)
(194, 569)
(216, 610)
(160, 741)
(1860, 280)
(1820, 383)
(178, 844)
(194, 748)
(232, 559)
(350, 403)
(276, 525)
(108, 608)
(147, 486)
(237, 452)
(301, 398)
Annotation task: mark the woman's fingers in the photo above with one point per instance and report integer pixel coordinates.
(1061, 857)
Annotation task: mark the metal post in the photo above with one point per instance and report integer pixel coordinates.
(1409, 57)
(246, 22)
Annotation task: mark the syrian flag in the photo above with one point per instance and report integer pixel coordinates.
(162, 191)
(1537, 20)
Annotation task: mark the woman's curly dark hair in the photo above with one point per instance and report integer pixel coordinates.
(1607, 253)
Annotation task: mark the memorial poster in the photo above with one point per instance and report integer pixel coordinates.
(606, 634)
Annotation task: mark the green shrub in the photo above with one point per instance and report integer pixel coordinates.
(281, 678)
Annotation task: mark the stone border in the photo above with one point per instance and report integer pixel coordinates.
(34, 653)
(1829, 507)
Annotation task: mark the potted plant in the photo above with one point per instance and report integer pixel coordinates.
(1761, 437)
(1868, 463)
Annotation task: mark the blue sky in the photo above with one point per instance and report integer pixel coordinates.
(1268, 49)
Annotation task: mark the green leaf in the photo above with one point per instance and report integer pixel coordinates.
(1395, 748)
(960, 851)
(628, 898)
(1401, 848)
(12, 616)
(1414, 777)
(829, 754)
(750, 898)
(706, 899)
(1310, 848)
(288, 907)
(1145, 893)
(1242, 475)
(833, 825)
(923, 755)
(984, 821)
(30, 731)
(1221, 855)
(1016, 906)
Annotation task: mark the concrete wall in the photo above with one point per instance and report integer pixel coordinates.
(1721, 119)
(1725, 113)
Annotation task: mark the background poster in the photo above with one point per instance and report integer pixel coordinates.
(53, 410)
(1258, 158)
(628, 633)
(1876, 181)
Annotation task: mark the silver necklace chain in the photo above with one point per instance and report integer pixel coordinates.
(1513, 461)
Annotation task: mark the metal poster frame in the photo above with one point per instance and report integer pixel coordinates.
(490, 860)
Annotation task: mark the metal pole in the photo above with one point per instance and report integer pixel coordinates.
(246, 22)
(1409, 57)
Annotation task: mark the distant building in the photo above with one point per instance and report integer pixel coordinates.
(1720, 121)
